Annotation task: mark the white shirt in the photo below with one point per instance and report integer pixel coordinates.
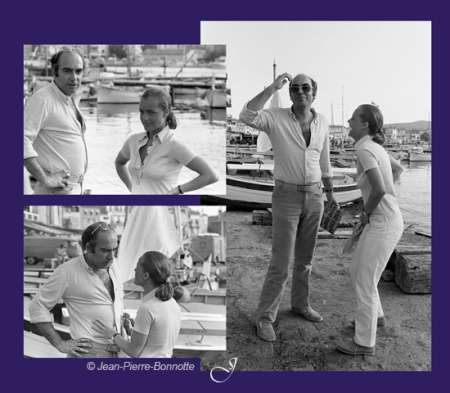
(371, 155)
(161, 321)
(161, 169)
(52, 132)
(85, 297)
(294, 162)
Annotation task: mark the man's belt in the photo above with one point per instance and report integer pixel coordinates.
(105, 347)
(297, 187)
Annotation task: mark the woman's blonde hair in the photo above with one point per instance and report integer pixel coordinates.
(158, 266)
(165, 103)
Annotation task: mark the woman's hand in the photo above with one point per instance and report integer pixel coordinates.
(364, 217)
(174, 191)
(99, 326)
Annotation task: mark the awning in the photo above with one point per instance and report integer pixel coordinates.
(38, 228)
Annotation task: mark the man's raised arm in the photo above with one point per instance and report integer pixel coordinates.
(258, 102)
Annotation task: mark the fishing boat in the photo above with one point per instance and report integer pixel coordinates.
(398, 154)
(250, 185)
(416, 154)
(119, 95)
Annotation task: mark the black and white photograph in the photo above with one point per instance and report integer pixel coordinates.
(124, 119)
(125, 281)
(328, 179)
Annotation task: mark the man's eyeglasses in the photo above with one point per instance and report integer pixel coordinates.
(73, 49)
(296, 89)
(103, 225)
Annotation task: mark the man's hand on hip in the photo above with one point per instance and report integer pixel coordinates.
(57, 180)
(75, 347)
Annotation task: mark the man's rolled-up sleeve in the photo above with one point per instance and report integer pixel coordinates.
(34, 115)
(49, 294)
(261, 120)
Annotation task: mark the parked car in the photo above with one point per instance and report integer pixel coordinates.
(37, 248)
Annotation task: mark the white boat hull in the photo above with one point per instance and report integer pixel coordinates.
(115, 95)
(252, 194)
(422, 157)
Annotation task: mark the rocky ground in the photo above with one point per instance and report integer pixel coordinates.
(403, 345)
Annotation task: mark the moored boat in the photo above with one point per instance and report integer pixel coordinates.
(250, 186)
(416, 154)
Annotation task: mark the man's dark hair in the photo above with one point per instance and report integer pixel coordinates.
(90, 234)
(313, 84)
(54, 61)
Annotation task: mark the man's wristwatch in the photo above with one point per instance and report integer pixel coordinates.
(329, 190)
(114, 336)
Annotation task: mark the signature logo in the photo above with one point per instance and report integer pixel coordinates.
(232, 363)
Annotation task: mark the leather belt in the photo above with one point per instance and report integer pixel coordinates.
(105, 347)
(297, 187)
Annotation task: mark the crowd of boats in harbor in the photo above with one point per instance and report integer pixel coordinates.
(195, 92)
(250, 182)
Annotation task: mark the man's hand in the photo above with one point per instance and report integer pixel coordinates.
(58, 180)
(330, 199)
(282, 80)
(75, 347)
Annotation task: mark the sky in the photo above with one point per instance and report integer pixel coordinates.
(387, 63)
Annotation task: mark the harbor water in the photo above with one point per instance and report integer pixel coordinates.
(109, 125)
(414, 194)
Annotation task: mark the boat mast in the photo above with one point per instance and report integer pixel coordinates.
(342, 110)
(274, 70)
(332, 115)
(128, 61)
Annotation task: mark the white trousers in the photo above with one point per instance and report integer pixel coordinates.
(372, 253)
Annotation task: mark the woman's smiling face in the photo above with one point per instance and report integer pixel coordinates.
(152, 116)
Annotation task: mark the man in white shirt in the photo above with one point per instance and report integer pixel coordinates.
(54, 147)
(90, 287)
(300, 140)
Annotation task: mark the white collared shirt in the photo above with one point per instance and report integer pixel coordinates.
(372, 155)
(161, 169)
(85, 297)
(52, 132)
(161, 321)
(295, 163)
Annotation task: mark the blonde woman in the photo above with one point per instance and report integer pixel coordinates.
(376, 174)
(158, 318)
(151, 162)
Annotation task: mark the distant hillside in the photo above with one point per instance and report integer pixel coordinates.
(416, 125)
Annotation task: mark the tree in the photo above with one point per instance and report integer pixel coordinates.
(214, 51)
(425, 137)
(119, 51)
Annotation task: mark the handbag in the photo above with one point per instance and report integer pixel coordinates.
(331, 217)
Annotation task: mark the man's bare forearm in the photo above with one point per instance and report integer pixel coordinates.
(35, 169)
(258, 102)
(48, 331)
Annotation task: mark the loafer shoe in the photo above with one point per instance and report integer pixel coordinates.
(351, 348)
(265, 331)
(308, 313)
(381, 322)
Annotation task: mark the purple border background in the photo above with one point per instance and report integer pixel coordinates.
(170, 23)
